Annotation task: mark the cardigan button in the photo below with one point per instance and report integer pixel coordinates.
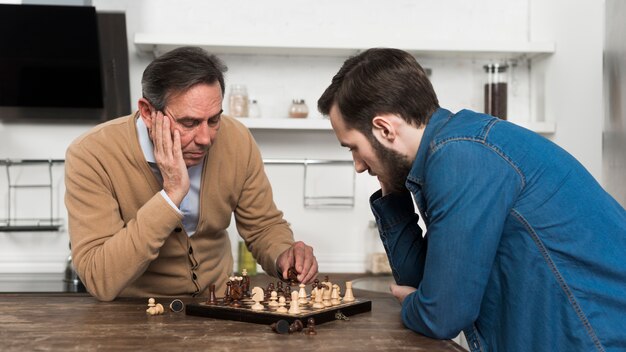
(178, 229)
(194, 276)
(190, 250)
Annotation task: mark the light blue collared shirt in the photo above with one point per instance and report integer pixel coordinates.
(190, 206)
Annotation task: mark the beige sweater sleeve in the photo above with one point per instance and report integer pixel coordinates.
(108, 253)
(258, 220)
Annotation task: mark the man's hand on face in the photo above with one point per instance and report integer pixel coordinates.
(400, 292)
(299, 256)
(169, 157)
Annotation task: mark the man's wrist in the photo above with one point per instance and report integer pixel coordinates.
(169, 201)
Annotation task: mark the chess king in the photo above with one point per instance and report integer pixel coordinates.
(150, 195)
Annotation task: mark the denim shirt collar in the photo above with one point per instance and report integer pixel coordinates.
(437, 120)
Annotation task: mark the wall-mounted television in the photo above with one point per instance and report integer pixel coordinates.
(55, 64)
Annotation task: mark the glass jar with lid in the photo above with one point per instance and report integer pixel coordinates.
(298, 109)
(496, 90)
(238, 101)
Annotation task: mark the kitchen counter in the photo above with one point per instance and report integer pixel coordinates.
(77, 321)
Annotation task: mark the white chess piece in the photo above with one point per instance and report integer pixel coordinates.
(294, 306)
(273, 298)
(302, 294)
(326, 296)
(349, 296)
(257, 297)
(334, 296)
(281, 305)
(318, 303)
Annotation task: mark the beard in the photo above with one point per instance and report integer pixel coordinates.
(395, 167)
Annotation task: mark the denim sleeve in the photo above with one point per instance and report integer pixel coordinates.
(401, 236)
(469, 190)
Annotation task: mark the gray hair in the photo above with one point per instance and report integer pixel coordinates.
(177, 71)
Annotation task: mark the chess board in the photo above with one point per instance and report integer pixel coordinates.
(269, 315)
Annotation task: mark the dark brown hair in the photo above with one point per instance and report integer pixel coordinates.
(379, 81)
(177, 71)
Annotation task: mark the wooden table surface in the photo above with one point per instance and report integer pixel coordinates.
(79, 322)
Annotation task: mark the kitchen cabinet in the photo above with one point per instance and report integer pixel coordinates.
(520, 51)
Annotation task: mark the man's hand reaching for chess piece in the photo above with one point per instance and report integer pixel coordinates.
(299, 256)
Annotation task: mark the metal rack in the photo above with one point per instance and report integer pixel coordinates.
(321, 201)
(12, 223)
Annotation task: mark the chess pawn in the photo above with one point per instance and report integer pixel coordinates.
(349, 296)
(296, 326)
(334, 296)
(229, 284)
(318, 303)
(281, 305)
(273, 298)
(151, 302)
(279, 289)
(302, 295)
(268, 291)
(212, 299)
(294, 307)
(313, 294)
(310, 327)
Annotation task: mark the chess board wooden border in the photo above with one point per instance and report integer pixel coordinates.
(248, 315)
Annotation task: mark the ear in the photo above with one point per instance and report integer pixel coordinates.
(384, 129)
(145, 110)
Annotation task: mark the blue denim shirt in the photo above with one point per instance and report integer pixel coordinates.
(524, 249)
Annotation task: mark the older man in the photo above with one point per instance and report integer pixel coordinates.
(150, 195)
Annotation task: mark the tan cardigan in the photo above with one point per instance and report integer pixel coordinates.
(128, 241)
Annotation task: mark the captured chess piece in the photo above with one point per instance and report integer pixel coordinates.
(296, 326)
(280, 327)
(310, 327)
(154, 308)
(177, 306)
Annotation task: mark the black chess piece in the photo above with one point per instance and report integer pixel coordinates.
(296, 326)
(212, 299)
(310, 327)
(279, 289)
(292, 275)
(280, 327)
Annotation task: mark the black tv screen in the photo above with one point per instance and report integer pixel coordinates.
(50, 61)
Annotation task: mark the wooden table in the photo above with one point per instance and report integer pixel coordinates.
(66, 321)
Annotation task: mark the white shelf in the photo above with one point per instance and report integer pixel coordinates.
(539, 127)
(318, 124)
(160, 43)
(310, 124)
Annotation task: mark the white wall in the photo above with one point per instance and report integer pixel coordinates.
(342, 238)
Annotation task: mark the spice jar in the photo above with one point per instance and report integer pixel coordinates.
(298, 109)
(496, 90)
(254, 110)
(238, 101)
